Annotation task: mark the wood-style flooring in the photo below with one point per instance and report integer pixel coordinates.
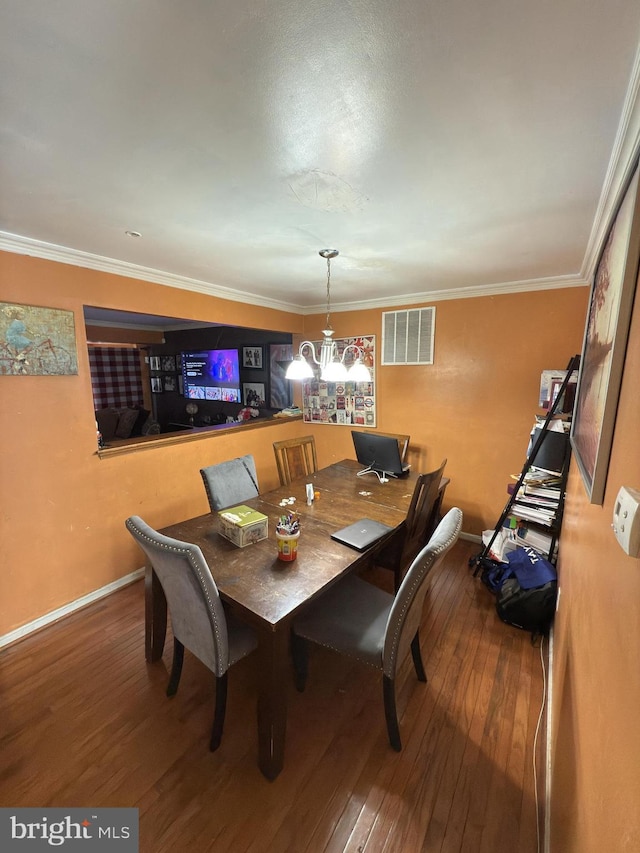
(85, 722)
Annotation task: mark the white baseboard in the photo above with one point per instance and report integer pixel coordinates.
(471, 537)
(547, 769)
(61, 612)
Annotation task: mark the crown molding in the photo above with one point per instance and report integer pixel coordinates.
(624, 156)
(77, 258)
(49, 251)
(402, 300)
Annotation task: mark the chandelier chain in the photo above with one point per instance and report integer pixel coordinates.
(328, 291)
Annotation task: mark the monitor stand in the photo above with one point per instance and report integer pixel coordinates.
(383, 476)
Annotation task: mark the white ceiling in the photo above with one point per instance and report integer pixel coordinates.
(443, 146)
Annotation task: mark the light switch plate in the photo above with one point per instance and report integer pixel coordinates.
(626, 520)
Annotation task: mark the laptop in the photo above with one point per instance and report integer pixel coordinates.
(361, 534)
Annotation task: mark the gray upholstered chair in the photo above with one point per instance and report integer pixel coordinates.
(230, 483)
(362, 621)
(197, 617)
(422, 519)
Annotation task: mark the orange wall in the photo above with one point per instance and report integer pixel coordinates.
(64, 507)
(596, 685)
(476, 404)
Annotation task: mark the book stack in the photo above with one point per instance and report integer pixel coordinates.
(534, 509)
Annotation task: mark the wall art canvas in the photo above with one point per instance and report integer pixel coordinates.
(604, 346)
(281, 393)
(37, 341)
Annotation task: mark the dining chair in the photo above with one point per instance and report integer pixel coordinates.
(198, 619)
(295, 457)
(422, 519)
(362, 621)
(403, 443)
(230, 483)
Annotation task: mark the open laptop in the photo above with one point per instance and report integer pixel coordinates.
(361, 534)
(379, 454)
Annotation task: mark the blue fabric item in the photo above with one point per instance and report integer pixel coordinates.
(530, 568)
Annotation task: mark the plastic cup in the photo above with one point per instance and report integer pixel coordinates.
(287, 545)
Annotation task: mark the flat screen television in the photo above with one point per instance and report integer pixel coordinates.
(212, 375)
(379, 454)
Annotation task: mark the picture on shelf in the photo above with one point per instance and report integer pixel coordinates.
(168, 363)
(252, 357)
(253, 394)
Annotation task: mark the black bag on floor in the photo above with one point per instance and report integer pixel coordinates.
(527, 600)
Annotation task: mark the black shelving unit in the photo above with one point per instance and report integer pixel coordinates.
(482, 559)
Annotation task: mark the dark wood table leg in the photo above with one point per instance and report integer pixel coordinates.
(155, 616)
(272, 700)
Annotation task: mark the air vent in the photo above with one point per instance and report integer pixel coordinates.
(407, 336)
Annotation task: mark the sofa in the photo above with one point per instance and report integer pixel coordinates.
(126, 422)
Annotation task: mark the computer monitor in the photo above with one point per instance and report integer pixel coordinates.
(379, 454)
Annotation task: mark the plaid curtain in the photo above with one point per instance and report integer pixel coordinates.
(116, 377)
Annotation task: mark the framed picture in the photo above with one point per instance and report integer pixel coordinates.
(252, 357)
(168, 363)
(169, 383)
(343, 403)
(156, 384)
(605, 341)
(253, 394)
(280, 391)
(37, 341)
(154, 362)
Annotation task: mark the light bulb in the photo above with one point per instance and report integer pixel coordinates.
(358, 372)
(299, 369)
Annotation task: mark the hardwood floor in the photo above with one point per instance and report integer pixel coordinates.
(85, 722)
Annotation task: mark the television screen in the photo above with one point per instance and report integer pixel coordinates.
(212, 375)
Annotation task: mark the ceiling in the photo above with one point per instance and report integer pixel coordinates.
(444, 147)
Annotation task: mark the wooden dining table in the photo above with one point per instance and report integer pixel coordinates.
(266, 592)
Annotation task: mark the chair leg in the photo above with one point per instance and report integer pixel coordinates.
(300, 662)
(221, 707)
(417, 657)
(391, 716)
(176, 669)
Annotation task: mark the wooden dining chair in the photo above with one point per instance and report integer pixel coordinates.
(230, 483)
(295, 457)
(362, 621)
(403, 443)
(422, 519)
(199, 622)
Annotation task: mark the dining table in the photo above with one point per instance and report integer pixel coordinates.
(268, 593)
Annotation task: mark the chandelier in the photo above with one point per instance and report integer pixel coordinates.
(330, 362)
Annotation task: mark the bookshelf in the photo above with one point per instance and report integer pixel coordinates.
(532, 516)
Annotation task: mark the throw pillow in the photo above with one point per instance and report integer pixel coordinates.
(126, 421)
(107, 420)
